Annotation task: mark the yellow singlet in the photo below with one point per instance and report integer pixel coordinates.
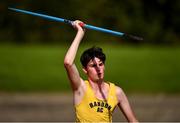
(92, 109)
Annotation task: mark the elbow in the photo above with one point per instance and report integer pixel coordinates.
(67, 63)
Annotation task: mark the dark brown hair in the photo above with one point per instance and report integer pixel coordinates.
(90, 54)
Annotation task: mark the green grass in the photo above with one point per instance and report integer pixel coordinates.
(145, 69)
(135, 69)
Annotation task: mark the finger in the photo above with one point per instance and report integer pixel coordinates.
(81, 24)
(78, 24)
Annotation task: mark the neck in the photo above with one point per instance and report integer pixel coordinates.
(100, 89)
(96, 84)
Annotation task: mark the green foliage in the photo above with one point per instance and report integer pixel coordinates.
(135, 69)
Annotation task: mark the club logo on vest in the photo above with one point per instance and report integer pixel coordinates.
(100, 106)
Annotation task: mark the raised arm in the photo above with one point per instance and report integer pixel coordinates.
(124, 105)
(71, 69)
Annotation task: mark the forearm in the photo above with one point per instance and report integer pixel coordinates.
(71, 53)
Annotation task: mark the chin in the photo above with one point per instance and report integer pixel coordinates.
(100, 80)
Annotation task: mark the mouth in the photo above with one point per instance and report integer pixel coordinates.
(99, 74)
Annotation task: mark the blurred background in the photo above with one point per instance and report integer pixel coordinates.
(33, 81)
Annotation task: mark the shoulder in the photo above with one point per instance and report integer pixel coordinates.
(84, 83)
(120, 93)
(118, 90)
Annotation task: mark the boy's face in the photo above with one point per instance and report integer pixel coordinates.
(95, 70)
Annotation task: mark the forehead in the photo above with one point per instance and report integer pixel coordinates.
(95, 60)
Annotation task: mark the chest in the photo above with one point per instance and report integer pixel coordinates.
(101, 94)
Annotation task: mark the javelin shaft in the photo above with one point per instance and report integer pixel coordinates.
(67, 21)
(103, 30)
(83, 25)
(42, 15)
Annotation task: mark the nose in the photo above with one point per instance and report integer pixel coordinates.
(97, 68)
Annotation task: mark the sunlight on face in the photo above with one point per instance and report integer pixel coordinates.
(95, 69)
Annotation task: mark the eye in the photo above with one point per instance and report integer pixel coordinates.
(100, 64)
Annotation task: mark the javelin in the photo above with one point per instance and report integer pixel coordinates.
(121, 34)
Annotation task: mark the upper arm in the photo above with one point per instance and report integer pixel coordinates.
(73, 76)
(124, 105)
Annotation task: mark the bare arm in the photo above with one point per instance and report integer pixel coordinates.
(71, 69)
(124, 105)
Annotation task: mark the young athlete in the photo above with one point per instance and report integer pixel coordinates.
(94, 99)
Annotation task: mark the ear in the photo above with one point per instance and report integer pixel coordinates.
(84, 70)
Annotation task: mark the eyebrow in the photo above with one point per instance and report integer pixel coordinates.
(99, 62)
